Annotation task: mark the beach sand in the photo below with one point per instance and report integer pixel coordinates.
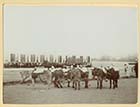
(126, 93)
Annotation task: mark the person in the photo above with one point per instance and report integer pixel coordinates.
(84, 69)
(52, 69)
(136, 69)
(35, 68)
(126, 70)
(71, 67)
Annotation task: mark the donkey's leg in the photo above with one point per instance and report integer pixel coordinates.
(56, 83)
(73, 84)
(49, 84)
(35, 79)
(60, 84)
(101, 81)
(114, 84)
(86, 83)
(33, 82)
(22, 77)
(68, 83)
(23, 80)
(110, 83)
(97, 83)
(78, 85)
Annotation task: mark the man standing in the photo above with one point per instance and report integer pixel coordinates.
(136, 69)
(126, 70)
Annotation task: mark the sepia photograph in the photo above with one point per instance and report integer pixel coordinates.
(70, 55)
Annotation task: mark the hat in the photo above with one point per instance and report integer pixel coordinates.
(71, 66)
(52, 67)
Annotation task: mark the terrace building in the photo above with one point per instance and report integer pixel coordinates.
(51, 59)
(60, 59)
(12, 58)
(32, 58)
(81, 59)
(42, 58)
(22, 58)
(88, 59)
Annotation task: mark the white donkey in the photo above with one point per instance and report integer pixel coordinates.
(43, 74)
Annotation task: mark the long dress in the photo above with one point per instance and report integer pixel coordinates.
(126, 71)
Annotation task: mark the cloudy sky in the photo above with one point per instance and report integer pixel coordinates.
(61, 30)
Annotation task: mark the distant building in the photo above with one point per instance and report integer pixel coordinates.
(81, 59)
(88, 59)
(55, 60)
(66, 59)
(51, 59)
(37, 60)
(42, 58)
(46, 58)
(17, 58)
(12, 58)
(77, 60)
(63, 60)
(32, 58)
(73, 59)
(59, 59)
(22, 58)
(28, 59)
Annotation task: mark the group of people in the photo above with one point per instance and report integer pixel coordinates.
(65, 69)
(127, 69)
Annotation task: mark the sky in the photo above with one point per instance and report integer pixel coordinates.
(70, 30)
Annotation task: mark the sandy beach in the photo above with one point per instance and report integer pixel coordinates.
(26, 94)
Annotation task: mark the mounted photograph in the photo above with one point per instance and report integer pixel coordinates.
(70, 55)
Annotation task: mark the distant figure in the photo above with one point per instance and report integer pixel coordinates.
(71, 67)
(136, 69)
(35, 68)
(126, 70)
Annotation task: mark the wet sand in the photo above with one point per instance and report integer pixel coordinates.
(26, 94)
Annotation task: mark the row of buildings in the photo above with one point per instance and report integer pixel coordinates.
(22, 58)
